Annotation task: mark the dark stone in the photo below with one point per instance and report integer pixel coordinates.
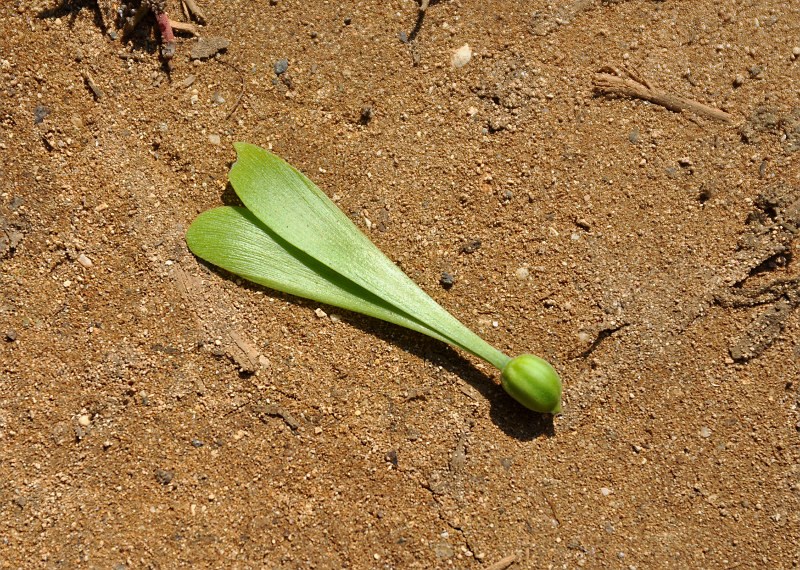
(366, 114)
(281, 66)
(39, 113)
(446, 280)
(163, 477)
(471, 246)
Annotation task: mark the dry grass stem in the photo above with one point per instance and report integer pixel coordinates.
(633, 86)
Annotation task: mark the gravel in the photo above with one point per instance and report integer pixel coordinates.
(446, 280)
(281, 66)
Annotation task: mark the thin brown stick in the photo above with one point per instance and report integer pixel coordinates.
(186, 27)
(192, 6)
(241, 91)
(503, 563)
(631, 87)
(185, 11)
(92, 85)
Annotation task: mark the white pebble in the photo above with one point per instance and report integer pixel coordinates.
(320, 313)
(214, 139)
(83, 421)
(523, 273)
(85, 261)
(705, 432)
(605, 491)
(462, 56)
(796, 51)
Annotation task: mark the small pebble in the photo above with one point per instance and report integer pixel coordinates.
(443, 550)
(85, 261)
(605, 491)
(281, 65)
(163, 477)
(795, 52)
(197, 443)
(188, 81)
(705, 432)
(497, 123)
(366, 114)
(11, 335)
(446, 280)
(320, 313)
(39, 113)
(471, 246)
(634, 136)
(217, 99)
(214, 139)
(84, 420)
(522, 273)
(462, 56)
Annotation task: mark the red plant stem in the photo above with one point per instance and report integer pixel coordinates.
(164, 28)
(167, 37)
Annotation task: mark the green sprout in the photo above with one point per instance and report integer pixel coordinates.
(292, 238)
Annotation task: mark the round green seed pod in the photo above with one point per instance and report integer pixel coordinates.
(532, 382)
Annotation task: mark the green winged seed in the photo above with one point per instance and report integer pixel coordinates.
(292, 238)
(235, 240)
(296, 210)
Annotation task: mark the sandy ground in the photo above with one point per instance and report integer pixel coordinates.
(158, 413)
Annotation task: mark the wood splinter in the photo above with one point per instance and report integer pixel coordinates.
(185, 27)
(630, 85)
(503, 563)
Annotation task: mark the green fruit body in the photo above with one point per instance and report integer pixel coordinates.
(533, 383)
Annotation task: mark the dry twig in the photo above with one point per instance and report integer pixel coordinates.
(631, 85)
(194, 9)
(503, 563)
(92, 85)
(186, 27)
(241, 91)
